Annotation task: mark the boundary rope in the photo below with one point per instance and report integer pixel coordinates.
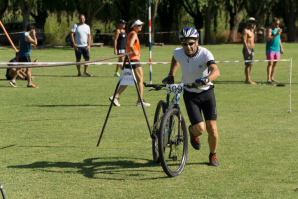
(96, 62)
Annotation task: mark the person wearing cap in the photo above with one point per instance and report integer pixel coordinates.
(25, 44)
(197, 66)
(120, 43)
(133, 46)
(248, 38)
(273, 48)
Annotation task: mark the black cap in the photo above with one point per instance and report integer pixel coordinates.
(121, 21)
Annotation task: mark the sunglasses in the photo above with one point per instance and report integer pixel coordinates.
(139, 25)
(254, 22)
(187, 43)
(277, 24)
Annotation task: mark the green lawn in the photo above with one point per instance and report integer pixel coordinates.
(49, 135)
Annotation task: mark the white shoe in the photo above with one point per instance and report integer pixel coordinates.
(145, 103)
(115, 102)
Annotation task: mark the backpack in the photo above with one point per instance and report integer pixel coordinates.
(68, 39)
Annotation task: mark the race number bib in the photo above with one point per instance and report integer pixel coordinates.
(121, 51)
(174, 89)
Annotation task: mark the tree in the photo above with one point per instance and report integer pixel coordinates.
(3, 7)
(195, 9)
(210, 10)
(258, 8)
(288, 10)
(90, 9)
(124, 9)
(26, 6)
(235, 10)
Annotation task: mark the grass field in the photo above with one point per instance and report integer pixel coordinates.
(49, 135)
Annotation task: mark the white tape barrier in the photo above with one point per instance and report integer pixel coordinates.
(120, 63)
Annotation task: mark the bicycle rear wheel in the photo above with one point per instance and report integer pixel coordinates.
(174, 144)
(160, 110)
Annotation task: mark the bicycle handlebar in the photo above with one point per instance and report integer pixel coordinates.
(160, 86)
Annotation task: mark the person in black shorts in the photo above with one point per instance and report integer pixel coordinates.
(26, 41)
(120, 43)
(197, 66)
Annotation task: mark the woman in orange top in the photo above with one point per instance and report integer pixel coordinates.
(133, 45)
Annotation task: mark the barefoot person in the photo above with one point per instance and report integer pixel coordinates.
(248, 38)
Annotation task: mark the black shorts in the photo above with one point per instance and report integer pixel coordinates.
(25, 59)
(195, 103)
(134, 66)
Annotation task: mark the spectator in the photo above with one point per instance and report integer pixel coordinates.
(24, 54)
(133, 45)
(248, 37)
(21, 73)
(81, 39)
(120, 43)
(273, 48)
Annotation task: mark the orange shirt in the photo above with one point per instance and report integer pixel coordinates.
(136, 47)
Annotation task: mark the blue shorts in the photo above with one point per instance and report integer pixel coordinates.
(84, 51)
(251, 57)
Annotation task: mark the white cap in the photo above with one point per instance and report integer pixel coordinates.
(137, 23)
(251, 19)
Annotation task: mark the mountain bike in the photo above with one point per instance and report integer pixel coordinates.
(170, 137)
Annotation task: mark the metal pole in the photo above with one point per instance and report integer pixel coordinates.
(150, 54)
(2, 191)
(290, 103)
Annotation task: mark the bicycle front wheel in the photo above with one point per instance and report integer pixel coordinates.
(173, 143)
(160, 110)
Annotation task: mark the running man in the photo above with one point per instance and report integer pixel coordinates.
(197, 66)
(248, 38)
(120, 44)
(273, 48)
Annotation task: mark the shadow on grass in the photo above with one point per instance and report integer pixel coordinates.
(113, 168)
(7, 146)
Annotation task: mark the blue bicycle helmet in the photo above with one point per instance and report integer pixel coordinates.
(188, 32)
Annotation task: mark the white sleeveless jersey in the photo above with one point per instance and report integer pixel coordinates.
(195, 67)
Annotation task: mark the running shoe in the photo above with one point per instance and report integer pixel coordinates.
(13, 84)
(213, 161)
(194, 140)
(115, 102)
(32, 86)
(274, 80)
(116, 75)
(87, 75)
(145, 103)
(79, 75)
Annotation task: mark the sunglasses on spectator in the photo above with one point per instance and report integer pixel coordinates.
(276, 23)
(187, 43)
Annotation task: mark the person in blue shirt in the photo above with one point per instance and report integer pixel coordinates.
(273, 48)
(25, 43)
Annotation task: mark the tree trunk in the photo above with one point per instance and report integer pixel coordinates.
(210, 11)
(41, 16)
(26, 9)
(2, 11)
